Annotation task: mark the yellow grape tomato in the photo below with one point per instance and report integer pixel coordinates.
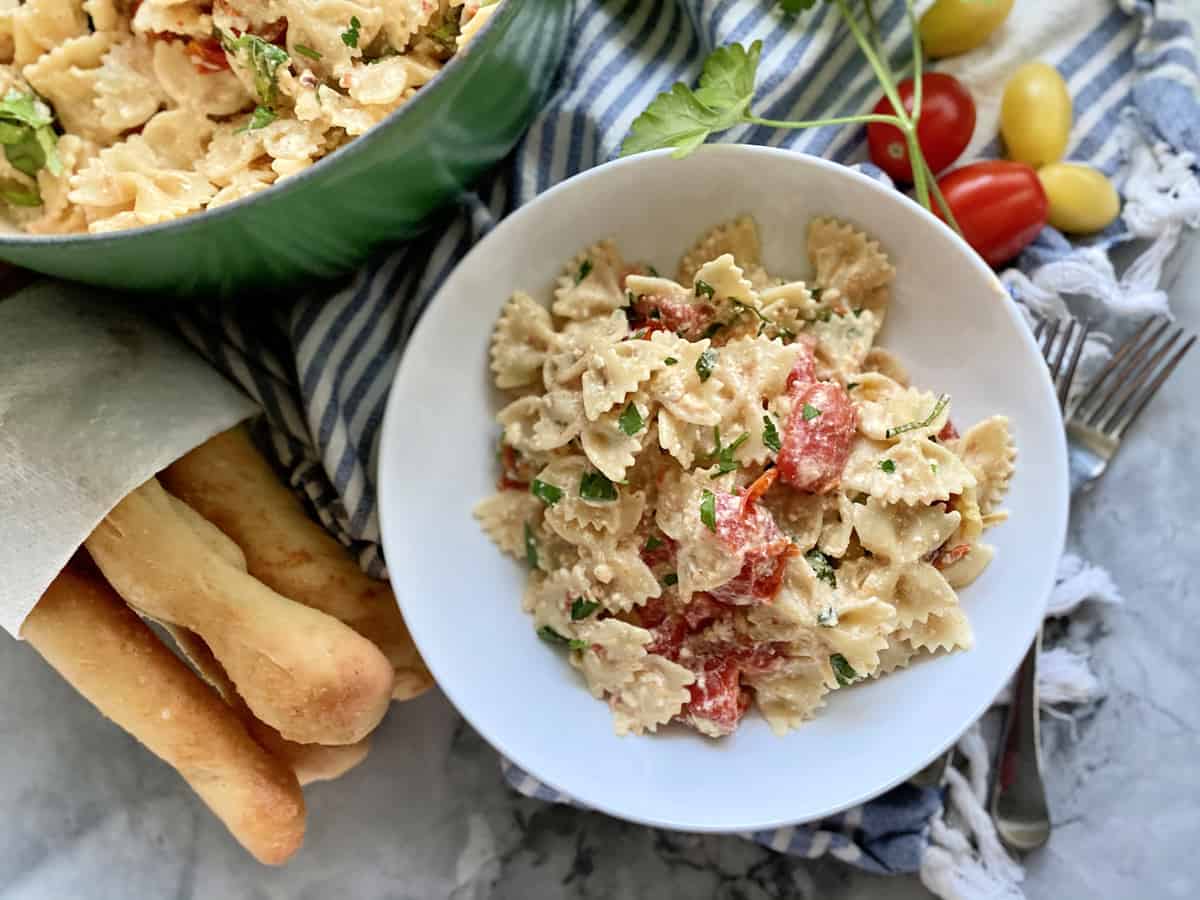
(1035, 115)
(1082, 200)
(951, 27)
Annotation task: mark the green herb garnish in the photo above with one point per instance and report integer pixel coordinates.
(652, 543)
(531, 548)
(887, 465)
(585, 269)
(260, 118)
(670, 579)
(705, 364)
(546, 492)
(548, 634)
(708, 510)
(723, 456)
(304, 50)
(842, 670)
(851, 385)
(596, 486)
(670, 361)
(704, 289)
(630, 421)
(822, 567)
(771, 435)
(30, 144)
(263, 57)
(581, 609)
(350, 35)
(809, 412)
(19, 195)
(938, 408)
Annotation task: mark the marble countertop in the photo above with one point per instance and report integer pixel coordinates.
(89, 813)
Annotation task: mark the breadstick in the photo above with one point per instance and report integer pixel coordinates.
(88, 634)
(310, 762)
(230, 483)
(299, 670)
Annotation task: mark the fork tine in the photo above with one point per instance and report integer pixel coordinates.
(1048, 340)
(1056, 363)
(1152, 388)
(1093, 390)
(1124, 372)
(1065, 390)
(1038, 328)
(1133, 382)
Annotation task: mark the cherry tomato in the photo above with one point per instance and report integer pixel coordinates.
(947, 122)
(951, 27)
(1000, 206)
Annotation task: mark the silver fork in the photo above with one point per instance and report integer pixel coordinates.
(1095, 424)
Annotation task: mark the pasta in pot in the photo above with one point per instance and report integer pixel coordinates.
(120, 113)
(725, 494)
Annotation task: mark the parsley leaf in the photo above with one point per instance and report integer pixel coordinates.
(828, 617)
(851, 385)
(771, 435)
(263, 57)
(708, 510)
(842, 670)
(547, 493)
(350, 35)
(821, 567)
(683, 119)
(581, 609)
(260, 118)
(809, 412)
(548, 634)
(671, 579)
(939, 407)
(887, 465)
(652, 543)
(631, 421)
(704, 289)
(705, 364)
(577, 644)
(584, 271)
(19, 195)
(595, 486)
(670, 361)
(304, 50)
(531, 549)
(724, 455)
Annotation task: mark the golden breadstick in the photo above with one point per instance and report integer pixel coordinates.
(86, 632)
(229, 482)
(299, 670)
(310, 762)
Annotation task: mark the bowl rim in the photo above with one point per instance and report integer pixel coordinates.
(386, 502)
(278, 188)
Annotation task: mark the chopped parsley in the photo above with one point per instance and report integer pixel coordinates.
(546, 492)
(260, 118)
(706, 363)
(887, 465)
(708, 510)
(548, 634)
(842, 670)
(596, 486)
(670, 361)
(671, 579)
(816, 293)
(821, 567)
(305, 50)
(852, 385)
(531, 549)
(629, 298)
(704, 289)
(938, 408)
(652, 543)
(724, 455)
(447, 33)
(264, 58)
(771, 435)
(581, 609)
(809, 412)
(828, 617)
(350, 35)
(585, 269)
(933, 468)
(631, 421)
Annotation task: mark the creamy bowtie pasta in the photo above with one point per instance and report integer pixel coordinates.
(118, 113)
(724, 494)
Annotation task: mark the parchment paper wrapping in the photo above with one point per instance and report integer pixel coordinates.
(93, 401)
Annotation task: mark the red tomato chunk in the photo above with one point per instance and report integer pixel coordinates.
(819, 432)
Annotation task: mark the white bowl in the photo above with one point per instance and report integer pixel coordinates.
(951, 324)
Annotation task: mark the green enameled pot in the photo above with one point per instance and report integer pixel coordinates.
(379, 188)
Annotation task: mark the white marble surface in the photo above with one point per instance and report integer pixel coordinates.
(89, 814)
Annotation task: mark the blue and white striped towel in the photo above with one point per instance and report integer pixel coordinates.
(321, 369)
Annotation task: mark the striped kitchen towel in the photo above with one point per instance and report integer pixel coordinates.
(321, 368)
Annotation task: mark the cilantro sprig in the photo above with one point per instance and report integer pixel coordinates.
(682, 119)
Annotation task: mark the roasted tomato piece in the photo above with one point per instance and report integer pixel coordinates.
(804, 369)
(207, 55)
(750, 532)
(717, 700)
(687, 319)
(819, 432)
(703, 609)
(948, 432)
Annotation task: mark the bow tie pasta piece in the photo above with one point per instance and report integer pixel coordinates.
(204, 93)
(616, 651)
(580, 519)
(654, 697)
(703, 562)
(848, 265)
(902, 533)
(591, 284)
(843, 342)
(969, 566)
(617, 577)
(178, 137)
(884, 363)
(67, 77)
(127, 91)
(898, 654)
(722, 281)
(738, 238)
(859, 633)
(917, 590)
(790, 306)
(614, 371)
(151, 17)
(789, 698)
(989, 452)
(548, 597)
(886, 410)
(39, 26)
(970, 527)
(947, 630)
(536, 424)
(524, 336)
(911, 471)
(404, 18)
(504, 517)
(565, 367)
(613, 440)
(57, 213)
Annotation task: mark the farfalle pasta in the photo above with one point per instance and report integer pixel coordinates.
(726, 495)
(120, 113)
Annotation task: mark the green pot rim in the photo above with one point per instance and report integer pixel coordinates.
(206, 216)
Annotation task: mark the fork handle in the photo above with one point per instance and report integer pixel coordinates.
(1018, 802)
